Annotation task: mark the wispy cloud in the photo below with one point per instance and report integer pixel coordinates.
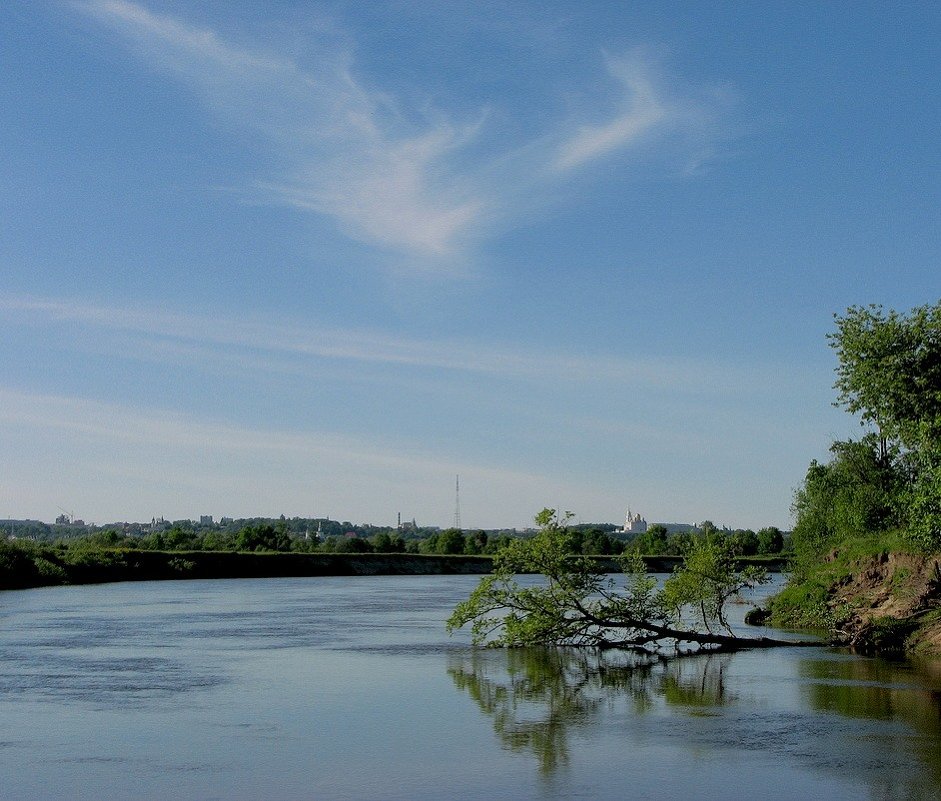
(641, 111)
(390, 175)
(345, 149)
(286, 347)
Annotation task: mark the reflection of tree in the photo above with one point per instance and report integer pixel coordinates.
(696, 684)
(873, 724)
(538, 697)
(883, 690)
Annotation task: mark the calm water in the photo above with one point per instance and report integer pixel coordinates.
(349, 688)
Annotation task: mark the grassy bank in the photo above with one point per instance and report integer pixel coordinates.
(875, 594)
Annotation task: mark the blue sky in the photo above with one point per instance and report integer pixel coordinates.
(318, 259)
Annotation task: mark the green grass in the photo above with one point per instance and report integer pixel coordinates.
(804, 602)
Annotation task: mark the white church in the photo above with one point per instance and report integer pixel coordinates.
(634, 524)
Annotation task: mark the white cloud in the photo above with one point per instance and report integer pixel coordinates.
(641, 110)
(395, 177)
(343, 153)
(179, 336)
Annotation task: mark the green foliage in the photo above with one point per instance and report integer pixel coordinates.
(851, 496)
(182, 566)
(889, 373)
(707, 580)
(653, 541)
(770, 540)
(450, 541)
(16, 566)
(218, 541)
(890, 370)
(350, 545)
(49, 572)
(578, 604)
(744, 542)
(803, 604)
(265, 537)
(476, 543)
(83, 555)
(922, 499)
(383, 542)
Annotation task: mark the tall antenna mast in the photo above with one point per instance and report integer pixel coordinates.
(457, 502)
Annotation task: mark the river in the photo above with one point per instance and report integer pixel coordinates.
(349, 688)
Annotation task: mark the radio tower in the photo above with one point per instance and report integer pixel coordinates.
(457, 502)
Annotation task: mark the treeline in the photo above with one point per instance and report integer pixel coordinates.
(186, 550)
(279, 536)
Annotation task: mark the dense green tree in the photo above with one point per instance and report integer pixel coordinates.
(383, 542)
(653, 541)
(850, 496)
(770, 540)
(179, 538)
(450, 541)
(708, 529)
(475, 543)
(498, 543)
(218, 541)
(922, 498)
(264, 537)
(108, 538)
(679, 543)
(889, 373)
(599, 543)
(889, 370)
(352, 545)
(744, 542)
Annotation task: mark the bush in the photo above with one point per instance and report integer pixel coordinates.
(50, 572)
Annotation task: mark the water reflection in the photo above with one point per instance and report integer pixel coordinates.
(907, 692)
(539, 697)
(867, 723)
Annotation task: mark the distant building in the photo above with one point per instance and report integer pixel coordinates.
(633, 524)
(205, 520)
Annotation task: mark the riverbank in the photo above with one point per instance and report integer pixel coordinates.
(38, 566)
(21, 569)
(888, 601)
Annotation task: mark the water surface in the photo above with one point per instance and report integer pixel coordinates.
(349, 688)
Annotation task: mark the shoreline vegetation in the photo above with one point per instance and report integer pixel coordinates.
(867, 536)
(27, 565)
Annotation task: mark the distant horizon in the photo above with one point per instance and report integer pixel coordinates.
(364, 523)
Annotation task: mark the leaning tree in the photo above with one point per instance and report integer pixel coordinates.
(579, 604)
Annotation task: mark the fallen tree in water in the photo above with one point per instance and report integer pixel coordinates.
(579, 605)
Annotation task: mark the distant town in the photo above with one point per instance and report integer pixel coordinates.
(324, 534)
(66, 525)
